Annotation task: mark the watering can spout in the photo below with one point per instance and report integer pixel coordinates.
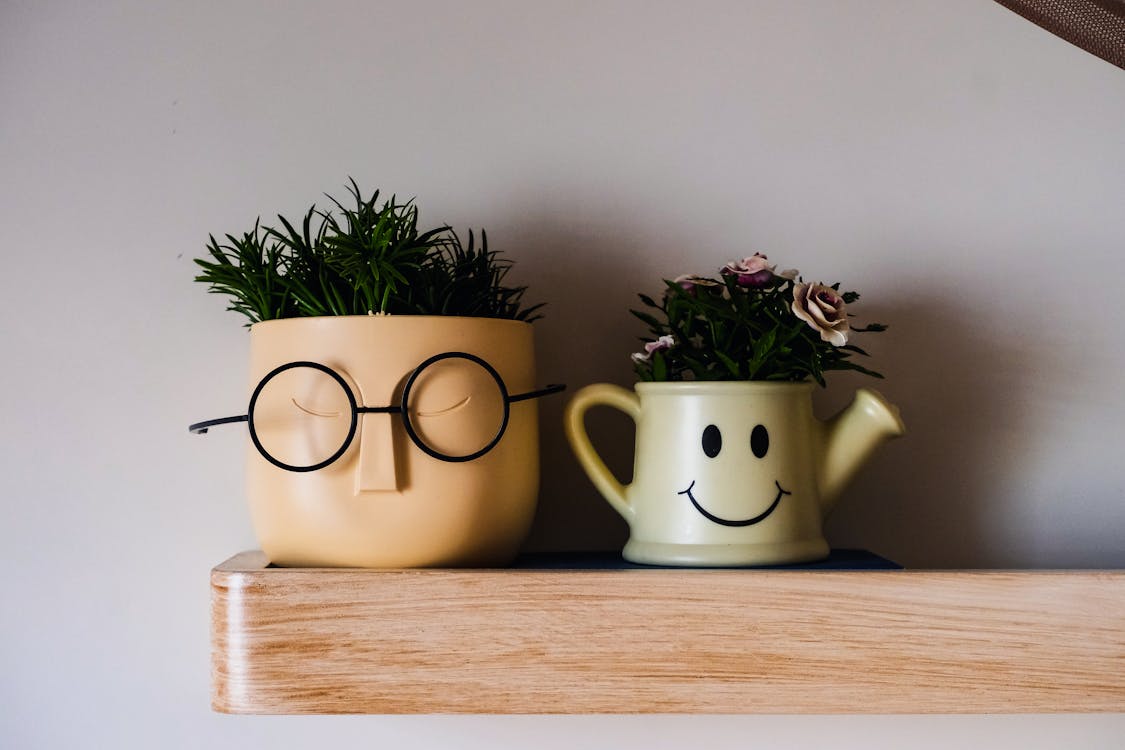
(851, 437)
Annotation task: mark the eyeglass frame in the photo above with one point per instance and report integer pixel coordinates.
(201, 428)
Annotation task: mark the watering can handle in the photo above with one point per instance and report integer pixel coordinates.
(601, 394)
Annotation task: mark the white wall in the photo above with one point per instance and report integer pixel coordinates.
(959, 166)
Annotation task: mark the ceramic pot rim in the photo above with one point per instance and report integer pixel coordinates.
(723, 387)
(385, 319)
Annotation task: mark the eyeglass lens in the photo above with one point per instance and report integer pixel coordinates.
(301, 417)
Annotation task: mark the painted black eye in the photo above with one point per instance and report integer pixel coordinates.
(712, 441)
(759, 441)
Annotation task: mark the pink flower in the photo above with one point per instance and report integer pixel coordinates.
(662, 343)
(753, 271)
(688, 282)
(823, 309)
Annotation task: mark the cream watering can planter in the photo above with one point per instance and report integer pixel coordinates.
(730, 473)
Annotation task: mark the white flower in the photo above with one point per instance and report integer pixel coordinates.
(662, 343)
(823, 309)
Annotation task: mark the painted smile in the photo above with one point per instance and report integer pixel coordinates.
(727, 522)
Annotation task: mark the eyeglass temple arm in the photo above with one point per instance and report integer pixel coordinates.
(549, 390)
(200, 428)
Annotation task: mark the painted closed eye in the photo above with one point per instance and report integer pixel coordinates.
(315, 412)
(438, 412)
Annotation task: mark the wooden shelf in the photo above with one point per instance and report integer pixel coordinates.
(302, 640)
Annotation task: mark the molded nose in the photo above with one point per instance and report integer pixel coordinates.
(376, 472)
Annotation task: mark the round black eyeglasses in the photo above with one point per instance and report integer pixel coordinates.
(416, 434)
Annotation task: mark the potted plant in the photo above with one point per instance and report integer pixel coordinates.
(392, 414)
(731, 467)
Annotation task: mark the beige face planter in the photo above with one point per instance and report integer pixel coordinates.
(380, 441)
(730, 473)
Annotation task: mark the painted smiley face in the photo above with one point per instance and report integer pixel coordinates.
(712, 444)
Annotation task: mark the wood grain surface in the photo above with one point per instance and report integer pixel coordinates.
(664, 641)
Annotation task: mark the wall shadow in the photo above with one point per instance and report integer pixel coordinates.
(586, 274)
(929, 499)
